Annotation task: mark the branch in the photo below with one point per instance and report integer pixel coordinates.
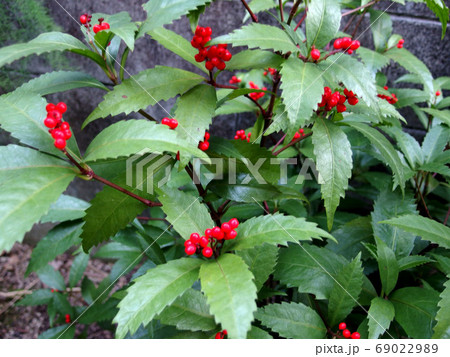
(421, 197)
(90, 174)
(359, 22)
(268, 115)
(360, 7)
(293, 11)
(301, 21)
(252, 15)
(293, 142)
(145, 114)
(280, 5)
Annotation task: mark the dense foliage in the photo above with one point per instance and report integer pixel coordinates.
(323, 212)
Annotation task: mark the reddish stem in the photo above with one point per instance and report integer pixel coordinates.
(359, 8)
(301, 21)
(293, 11)
(252, 15)
(293, 142)
(280, 4)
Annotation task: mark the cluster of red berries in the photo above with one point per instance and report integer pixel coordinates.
(315, 54)
(68, 320)
(336, 99)
(347, 334)
(54, 290)
(256, 95)
(347, 44)
(211, 237)
(204, 145)
(59, 130)
(234, 80)
(215, 56)
(272, 71)
(221, 335)
(298, 134)
(392, 99)
(85, 19)
(240, 134)
(171, 123)
(400, 43)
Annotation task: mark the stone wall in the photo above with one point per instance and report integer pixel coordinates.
(414, 22)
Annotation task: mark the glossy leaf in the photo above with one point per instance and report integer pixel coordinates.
(77, 269)
(442, 328)
(372, 59)
(66, 208)
(434, 142)
(143, 89)
(322, 22)
(412, 261)
(334, 162)
(153, 291)
(381, 26)
(292, 320)
(254, 59)
(122, 25)
(380, 315)
(230, 292)
(30, 182)
(387, 265)
(274, 229)
(441, 10)
(52, 278)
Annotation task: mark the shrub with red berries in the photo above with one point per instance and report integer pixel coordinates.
(208, 244)
(59, 130)
(336, 99)
(346, 44)
(215, 56)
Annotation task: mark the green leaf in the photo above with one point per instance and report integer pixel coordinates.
(230, 292)
(51, 278)
(153, 291)
(412, 261)
(143, 89)
(274, 229)
(185, 212)
(59, 81)
(189, 312)
(261, 261)
(434, 142)
(334, 162)
(386, 149)
(178, 45)
(163, 12)
(380, 315)
(121, 24)
(373, 60)
(408, 96)
(442, 328)
(424, 227)
(387, 265)
(56, 242)
(260, 36)
(322, 22)
(258, 334)
(409, 146)
(46, 42)
(309, 268)
(413, 65)
(194, 112)
(111, 210)
(441, 11)
(302, 87)
(292, 320)
(415, 310)
(66, 208)
(30, 182)
(254, 59)
(77, 269)
(354, 75)
(135, 136)
(23, 116)
(345, 292)
(37, 297)
(443, 115)
(63, 331)
(381, 26)
(392, 204)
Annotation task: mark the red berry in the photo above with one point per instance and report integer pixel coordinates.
(190, 249)
(199, 58)
(346, 42)
(96, 28)
(209, 65)
(234, 223)
(356, 336)
(346, 333)
(199, 30)
(355, 45)
(207, 136)
(206, 40)
(58, 134)
(297, 136)
(50, 107)
(195, 238)
(231, 234)
(50, 123)
(342, 326)
(204, 242)
(65, 126)
(217, 233)
(60, 144)
(173, 123)
(208, 233)
(212, 52)
(197, 40)
(315, 54)
(227, 56)
(301, 131)
(55, 114)
(219, 336)
(208, 31)
(188, 242)
(195, 45)
(337, 44)
(221, 66)
(105, 26)
(67, 318)
(350, 51)
(399, 46)
(207, 252)
(61, 107)
(226, 227)
(203, 145)
(342, 99)
(225, 332)
(352, 100)
(438, 93)
(401, 42)
(83, 19)
(341, 108)
(203, 52)
(215, 61)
